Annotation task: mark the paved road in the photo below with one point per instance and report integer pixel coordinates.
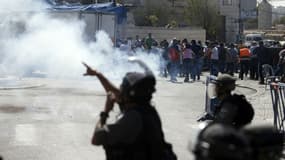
(54, 119)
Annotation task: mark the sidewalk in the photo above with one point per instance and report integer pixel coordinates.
(256, 94)
(260, 100)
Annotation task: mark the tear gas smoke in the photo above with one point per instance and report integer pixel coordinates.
(31, 40)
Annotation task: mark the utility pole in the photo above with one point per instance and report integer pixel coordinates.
(240, 21)
(206, 14)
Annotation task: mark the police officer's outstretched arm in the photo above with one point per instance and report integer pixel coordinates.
(108, 86)
(141, 64)
(98, 136)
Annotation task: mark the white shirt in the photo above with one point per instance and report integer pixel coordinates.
(215, 54)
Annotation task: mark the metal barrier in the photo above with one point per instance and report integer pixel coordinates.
(209, 102)
(208, 106)
(277, 91)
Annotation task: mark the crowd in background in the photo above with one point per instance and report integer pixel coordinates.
(188, 59)
(225, 137)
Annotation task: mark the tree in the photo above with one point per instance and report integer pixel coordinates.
(93, 1)
(251, 23)
(280, 20)
(204, 13)
(86, 1)
(153, 20)
(153, 13)
(172, 2)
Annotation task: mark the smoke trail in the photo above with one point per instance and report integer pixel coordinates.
(31, 39)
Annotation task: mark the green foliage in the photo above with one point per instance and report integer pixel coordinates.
(140, 17)
(154, 13)
(153, 20)
(282, 20)
(251, 23)
(86, 1)
(119, 1)
(203, 13)
(173, 23)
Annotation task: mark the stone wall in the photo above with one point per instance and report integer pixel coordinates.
(160, 34)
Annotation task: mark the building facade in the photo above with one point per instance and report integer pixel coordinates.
(264, 15)
(235, 12)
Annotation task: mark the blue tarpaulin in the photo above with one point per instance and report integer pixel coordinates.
(109, 7)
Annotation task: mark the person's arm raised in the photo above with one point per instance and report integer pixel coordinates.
(108, 86)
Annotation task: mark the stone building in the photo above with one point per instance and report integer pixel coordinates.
(264, 15)
(235, 12)
(83, 1)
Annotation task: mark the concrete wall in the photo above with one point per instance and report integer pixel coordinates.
(160, 34)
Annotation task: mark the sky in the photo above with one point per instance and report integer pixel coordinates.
(276, 3)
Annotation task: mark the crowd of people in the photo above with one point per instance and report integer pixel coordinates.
(189, 58)
(138, 133)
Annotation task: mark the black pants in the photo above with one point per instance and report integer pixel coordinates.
(260, 72)
(253, 69)
(244, 68)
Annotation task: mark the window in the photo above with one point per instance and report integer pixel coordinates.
(227, 2)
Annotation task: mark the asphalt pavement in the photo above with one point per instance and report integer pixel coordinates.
(51, 119)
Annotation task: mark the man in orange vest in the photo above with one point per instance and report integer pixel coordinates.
(244, 58)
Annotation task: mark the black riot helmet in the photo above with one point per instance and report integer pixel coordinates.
(138, 87)
(225, 83)
(266, 142)
(221, 142)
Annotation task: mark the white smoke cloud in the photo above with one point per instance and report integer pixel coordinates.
(31, 39)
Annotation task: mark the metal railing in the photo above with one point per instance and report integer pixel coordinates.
(277, 91)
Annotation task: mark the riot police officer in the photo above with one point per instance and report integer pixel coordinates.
(233, 109)
(221, 142)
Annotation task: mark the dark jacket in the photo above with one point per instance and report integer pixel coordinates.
(235, 110)
(263, 56)
(146, 141)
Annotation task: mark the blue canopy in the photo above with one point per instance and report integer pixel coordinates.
(109, 7)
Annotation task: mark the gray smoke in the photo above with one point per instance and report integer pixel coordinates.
(32, 40)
